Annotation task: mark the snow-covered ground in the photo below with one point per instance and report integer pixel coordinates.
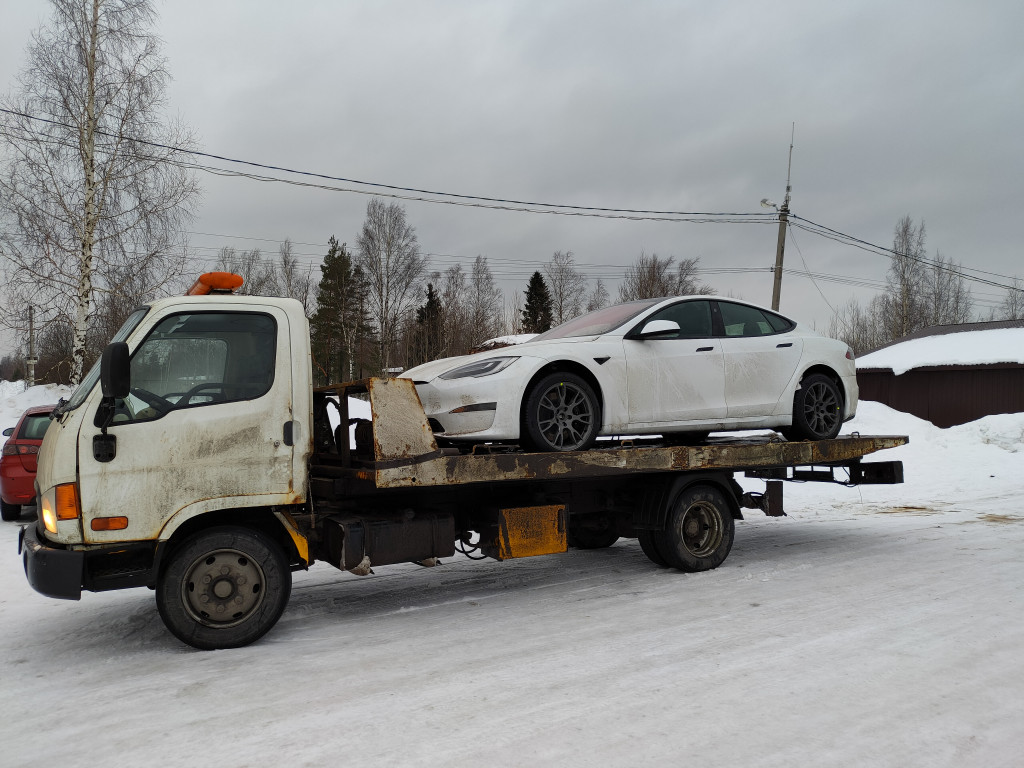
(874, 626)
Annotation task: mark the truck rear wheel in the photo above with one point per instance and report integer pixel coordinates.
(699, 530)
(223, 588)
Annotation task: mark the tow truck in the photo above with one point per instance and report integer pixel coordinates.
(197, 459)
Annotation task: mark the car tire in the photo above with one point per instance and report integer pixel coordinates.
(561, 413)
(9, 511)
(223, 588)
(817, 410)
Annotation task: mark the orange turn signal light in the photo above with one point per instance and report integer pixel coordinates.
(67, 501)
(109, 523)
(215, 281)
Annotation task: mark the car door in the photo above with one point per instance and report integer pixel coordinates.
(761, 354)
(211, 391)
(676, 378)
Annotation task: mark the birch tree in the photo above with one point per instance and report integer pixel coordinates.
(389, 255)
(90, 181)
(567, 286)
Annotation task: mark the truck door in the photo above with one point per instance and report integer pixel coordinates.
(202, 427)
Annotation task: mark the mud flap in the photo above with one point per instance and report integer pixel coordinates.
(530, 531)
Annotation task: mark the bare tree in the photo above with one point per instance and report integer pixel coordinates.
(389, 255)
(259, 275)
(904, 310)
(598, 298)
(947, 297)
(90, 182)
(652, 277)
(294, 282)
(485, 303)
(1012, 307)
(567, 286)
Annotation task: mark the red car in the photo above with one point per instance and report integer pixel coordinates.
(18, 462)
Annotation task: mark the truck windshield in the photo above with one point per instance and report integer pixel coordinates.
(79, 395)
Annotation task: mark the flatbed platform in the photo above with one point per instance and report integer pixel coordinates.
(406, 455)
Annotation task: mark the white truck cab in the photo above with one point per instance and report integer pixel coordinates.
(216, 417)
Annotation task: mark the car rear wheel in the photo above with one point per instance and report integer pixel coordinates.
(9, 511)
(817, 410)
(562, 413)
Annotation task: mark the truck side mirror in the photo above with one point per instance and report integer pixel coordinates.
(115, 373)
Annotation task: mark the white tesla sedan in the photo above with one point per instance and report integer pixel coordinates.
(679, 367)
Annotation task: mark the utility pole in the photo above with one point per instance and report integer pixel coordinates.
(780, 247)
(31, 360)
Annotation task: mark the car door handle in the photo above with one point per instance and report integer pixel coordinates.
(705, 349)
(787, 344)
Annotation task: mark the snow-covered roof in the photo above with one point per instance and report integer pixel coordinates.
(998, 345)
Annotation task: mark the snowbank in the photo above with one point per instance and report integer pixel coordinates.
(15, 398)
(1000, 345)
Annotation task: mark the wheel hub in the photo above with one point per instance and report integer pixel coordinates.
(222, 588)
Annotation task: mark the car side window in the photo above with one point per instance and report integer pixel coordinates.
(198, 359)
(693, 317)
(746, 321)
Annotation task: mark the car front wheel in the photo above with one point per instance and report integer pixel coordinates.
(562, 413)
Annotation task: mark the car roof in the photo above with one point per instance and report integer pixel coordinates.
(37, 409)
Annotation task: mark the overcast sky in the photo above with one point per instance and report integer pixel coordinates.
(900, 108)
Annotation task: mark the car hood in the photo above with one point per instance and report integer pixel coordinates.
(541, 349)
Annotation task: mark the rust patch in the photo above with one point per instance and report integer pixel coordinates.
(990, 518)
(908, 510)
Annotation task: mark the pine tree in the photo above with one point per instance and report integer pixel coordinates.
(537, 310)
(427, 335)
(340, 318)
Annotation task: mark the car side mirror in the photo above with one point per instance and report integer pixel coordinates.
(9, 431)
(659, 329)
(115, 371)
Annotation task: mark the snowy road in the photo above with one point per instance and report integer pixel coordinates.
(879, 626)
(835, 639)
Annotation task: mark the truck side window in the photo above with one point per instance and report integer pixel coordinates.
(201, 358)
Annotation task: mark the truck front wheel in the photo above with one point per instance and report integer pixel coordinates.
(223, 588)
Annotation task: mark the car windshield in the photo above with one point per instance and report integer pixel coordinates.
(599, 321)
(79, 395)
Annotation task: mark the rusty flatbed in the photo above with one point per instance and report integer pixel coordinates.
(406, 455)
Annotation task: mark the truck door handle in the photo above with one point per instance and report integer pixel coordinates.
(289, 433)
(705, 349)
(787, 344)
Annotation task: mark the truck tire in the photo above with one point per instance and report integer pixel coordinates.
(561, 413)
(9, 511)
(817, 410)
(223, 588)
(649, 545)
(699, 530)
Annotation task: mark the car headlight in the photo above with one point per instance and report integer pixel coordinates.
(479, 368)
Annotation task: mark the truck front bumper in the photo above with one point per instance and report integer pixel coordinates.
(51, 571)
